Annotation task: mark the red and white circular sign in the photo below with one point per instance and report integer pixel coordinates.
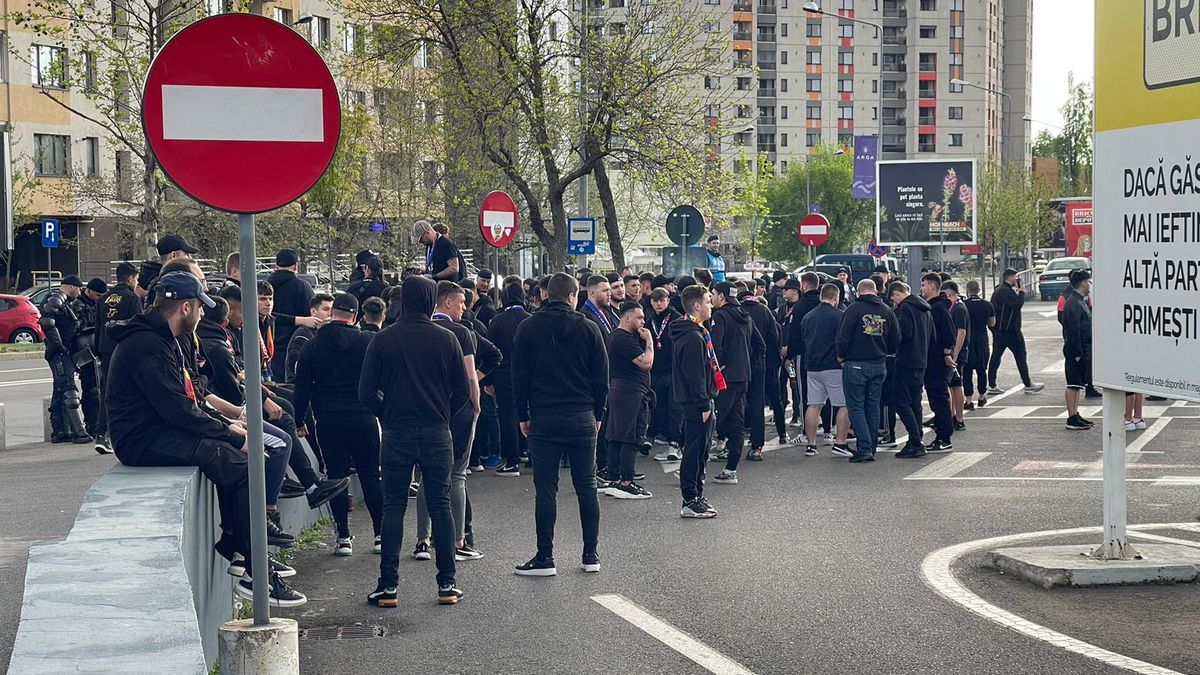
(813, 229)
(498, 219)
(241, 113)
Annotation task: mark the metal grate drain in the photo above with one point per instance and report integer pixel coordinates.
(342, 633)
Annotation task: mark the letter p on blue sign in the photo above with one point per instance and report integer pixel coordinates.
(50, 233)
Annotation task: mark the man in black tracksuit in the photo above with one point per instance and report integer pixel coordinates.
(1077, 346)
(501, 332)
(737, 345)
(912, 356)
(810, 299)
(764, 377)
(120, 303)
(293, 297)
(412, 380)
(693, 387)
(664, 418)
(560, 384)
(790, 345)
(1007, 301)
(220, 369)
(939, 366)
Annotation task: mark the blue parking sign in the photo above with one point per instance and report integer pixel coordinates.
(50, 233)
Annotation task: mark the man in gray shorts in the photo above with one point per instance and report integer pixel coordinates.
(818, 330)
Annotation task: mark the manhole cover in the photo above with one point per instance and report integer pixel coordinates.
(342, 632)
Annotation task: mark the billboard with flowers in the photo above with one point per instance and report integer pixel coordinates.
(925, 202)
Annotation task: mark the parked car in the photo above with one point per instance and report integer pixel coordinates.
(1053, 280)
(19, 320)
(860, 265)
(37, 294)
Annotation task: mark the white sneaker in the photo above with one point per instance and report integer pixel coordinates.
(992, 391)
(727, 477)
(668, 455)
(1131, 426)
(344, 548)
(828, 438)
(1140, 424)
(1034, 388)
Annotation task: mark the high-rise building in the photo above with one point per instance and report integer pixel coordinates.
(823, 79)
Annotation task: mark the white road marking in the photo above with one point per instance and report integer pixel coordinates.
(24, 370)
(204, 113)
(949, 466)
(1165, 480)
(1048, 314)
(18, 383)
(703, 655)
(936, 572)
(1004, 395)
(1055, 367)
(1148, 435)
(1164, 540)
(1188, 481)
(1013, 412)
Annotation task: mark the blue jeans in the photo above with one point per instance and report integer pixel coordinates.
(863, 384)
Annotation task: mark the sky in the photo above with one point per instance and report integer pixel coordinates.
(1063, 42)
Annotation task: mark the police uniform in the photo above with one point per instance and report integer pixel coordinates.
(83, 356)
(60, 323)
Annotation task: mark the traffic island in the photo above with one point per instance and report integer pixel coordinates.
(1075, 565)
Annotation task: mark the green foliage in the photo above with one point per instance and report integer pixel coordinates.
(750, 205)
(1072, 146)
(1008, 200)
(851, 221)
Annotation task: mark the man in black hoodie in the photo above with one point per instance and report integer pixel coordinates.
(764, 375)
(485, 306)
(696, 380)
(912, 355)
(293, 296)
(940, 364)
(810, 299)
(737, 345)
(789, 348)
(320, 306)
(664, 418)
(867, 334)
(1077, 346)
(120, 303)
(560, 385)
(371, 285)
(412, 380)
(820, 332)
(1007, 301)
(502, 332)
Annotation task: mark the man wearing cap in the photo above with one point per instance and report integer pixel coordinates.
(716, 264)
(320, 306)
(83, 353)
(775, 292)
(443, 262)
(370, 284)
(120, 303)
(170, 247)
(845, 288)
(293, 297)
(484, 307)
(360, 259)
(59, 323)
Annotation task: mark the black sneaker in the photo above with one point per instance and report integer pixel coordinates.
(842, 450)
(960, 425)
(939, 447)
(537, 567)
(421, 552)
(382, 596)
(969, 405)
(646, 446)
(280, 594)
(448, 594)
(466, 552)
(509, 470)
(810, 451)
(291, 489)
(1077, 423)
(102, 446)
(886, 441)
(590, 563)
(277, 537)
(930, 423)
(631, 491)
(912, 451)
(697, 509)
(859, 458)
(279, 568)
(83, 440)
(326, 490)
(638, 475)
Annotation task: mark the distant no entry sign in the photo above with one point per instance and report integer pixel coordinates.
(498, 219)
(813, 229)
(241, 113)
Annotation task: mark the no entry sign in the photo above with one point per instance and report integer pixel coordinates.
(498, 219)
(241, 113)
(813, 229)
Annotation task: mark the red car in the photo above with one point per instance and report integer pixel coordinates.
(19, 320)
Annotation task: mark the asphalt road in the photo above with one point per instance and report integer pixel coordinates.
(812, 566)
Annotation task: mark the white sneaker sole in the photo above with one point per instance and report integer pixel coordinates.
(242, 592)
(464, 558)
(621, 494)
(591, 569)
(537, 573)
(726, 481)
(423, 557)
(514, 474)
(692, 515)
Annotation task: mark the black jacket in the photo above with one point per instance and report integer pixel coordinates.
(1077, 327)
(148, 402)
(292, 297)
(608, 312)
(220, 364)
(295, 346)
(1007, 303)
(768, 329)
(944, 334)
(736, 341)
(485, 309)
(327, 372)
(916, 327)
(118, 304)
(659, 326)
(502, 332)
(413, 371)
(820, 331)
(868, 331)
(807, 303)
(148, 273)
(560, 364)
(692, 385)
(367, 288)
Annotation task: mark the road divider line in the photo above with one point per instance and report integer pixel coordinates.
(20, 383)
(24, 370)
(949, 466)
(1188, 481)
(1163, 540)
(700, 653)
(1055, 367)
(1148, 435)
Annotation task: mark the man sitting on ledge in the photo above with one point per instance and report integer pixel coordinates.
(154, 419)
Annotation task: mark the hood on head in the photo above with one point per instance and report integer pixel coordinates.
(210, 330)
(417, 296)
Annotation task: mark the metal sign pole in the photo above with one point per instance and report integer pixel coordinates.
(1115, 545)
(254, 423)
(48, 267)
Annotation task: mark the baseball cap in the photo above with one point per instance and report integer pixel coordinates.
(71, 280)
(97, 285)
(778, 275)
(363, 256)
(183, 286)
(792, 283)
(169, 243)
(484, 274)
(843, 270)
(287, 257)
(345, 302)
(760, 281)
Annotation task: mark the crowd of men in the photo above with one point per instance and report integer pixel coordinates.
(415, 386)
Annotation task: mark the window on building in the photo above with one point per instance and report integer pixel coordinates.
(814, 112)
(956, 140)
(813, 84)
(956, 59)
(783, 164)
(927, 116)
(845, 30)
(89, 72)
(928, 32)
(928, 5)
(3, 56)
(615, 4)
(926, 143)
(766, 112)
(845, 85)
(711, 82)
(93, 156)
(813, 57)
(928, 89)
(282, 15)
(845, 140)
(955, 112)
(783, 84)
(783, 58)
(616, 28)
(356, 39)
(51, 154)
(845, 112)
(874, 86)
(215, 7)
(927, 62)
(845, 58)
(874, 113)
(743, 83)
(324, 31)
(812, 139)
(48, 66)
(712, 2)
(956, 32)
(783, 140)
(742, 111)
(814, 30)
(955, 88)
(783, 112)
(356, 97)
(957, 5)
(783, 30)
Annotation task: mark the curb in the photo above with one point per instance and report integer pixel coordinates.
(23, 356)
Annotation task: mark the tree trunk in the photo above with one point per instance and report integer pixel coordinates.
(556, 243)
(150, 194)
(604, 188)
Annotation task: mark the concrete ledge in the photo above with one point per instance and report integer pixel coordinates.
(1051, 566)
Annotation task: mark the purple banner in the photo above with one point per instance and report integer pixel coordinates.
(865, 152)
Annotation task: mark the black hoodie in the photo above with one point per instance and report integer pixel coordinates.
(809, 301)
(502, 331)
(1008, 301)
(768, 329)
(916, 328)
(942, 343)
(148, 401)
(736, 341)
(659, 325)
(328, 370)
(868, 332)
(692, 385)
(559, 365)
(413, 371)
(148, 274)
(118, 304)
(220, 365)
(292, 298)
(485, 309)
(367, 288)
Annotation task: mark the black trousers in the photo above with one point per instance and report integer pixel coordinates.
(776, 396)
(731, 421)
(756, 419)
(789, 389)
(510, 429)
(937, 389)
(89, 384)
(352, 443)
(1011, 340)
(550, 439)
(299, 462)
(429, 447)
(697, 436)
(102, 415)
(887, 401)
(664, 417)
(64, 397)
(906, 401)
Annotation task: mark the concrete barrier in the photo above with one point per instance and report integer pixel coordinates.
(136, 586)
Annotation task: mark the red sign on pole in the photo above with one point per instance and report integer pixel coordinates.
(241, 113)
(498, 219)
(813, 229)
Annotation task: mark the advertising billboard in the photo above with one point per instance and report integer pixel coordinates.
(1079, 229)
(925, 202)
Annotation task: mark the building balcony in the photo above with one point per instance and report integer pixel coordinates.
(895, 121)
(895, 41)
(897, 95)
(895, 68)
(898, 148)
(741, 35)
(766, 36)
(742, 7)
(766, 120)
(766, 65)
(766, 7)
(765, 147)
(766, 93)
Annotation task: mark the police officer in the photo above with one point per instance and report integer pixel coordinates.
(83, 352)
(60, 323)
(120, 303)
